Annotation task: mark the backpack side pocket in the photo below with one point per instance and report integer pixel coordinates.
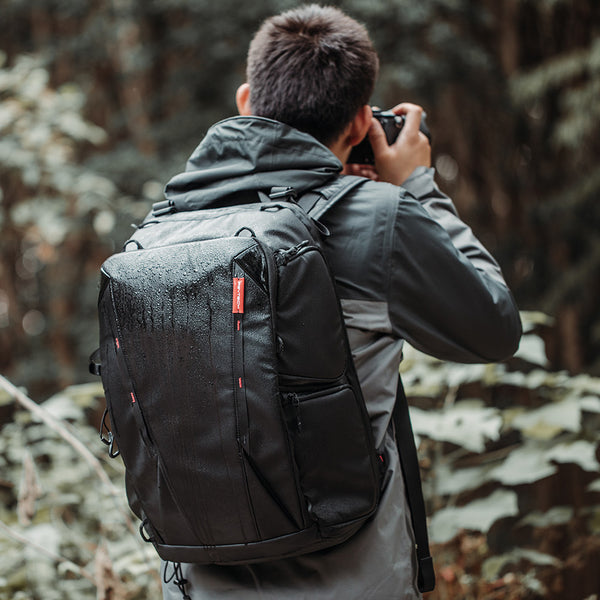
(333, 454)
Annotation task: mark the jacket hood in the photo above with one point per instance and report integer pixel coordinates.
(246, 154)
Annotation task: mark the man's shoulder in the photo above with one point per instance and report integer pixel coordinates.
(373, 200)
(361, 226)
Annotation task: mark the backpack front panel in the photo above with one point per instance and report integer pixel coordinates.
(179, 344)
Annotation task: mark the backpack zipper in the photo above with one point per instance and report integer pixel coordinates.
(283, 257)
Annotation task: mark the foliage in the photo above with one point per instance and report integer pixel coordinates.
(76, 542)
(56, 222)
(510, 471)
(511, 474)
(101, 102)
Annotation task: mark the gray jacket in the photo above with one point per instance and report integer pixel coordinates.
(406, 268)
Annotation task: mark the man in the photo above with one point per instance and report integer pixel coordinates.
(405, 266)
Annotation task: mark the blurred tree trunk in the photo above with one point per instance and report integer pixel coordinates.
(511, 90)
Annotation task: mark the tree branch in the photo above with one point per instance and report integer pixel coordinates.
(54, 424)
(15, 535)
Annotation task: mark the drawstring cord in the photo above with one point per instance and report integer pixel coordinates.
(176, 577)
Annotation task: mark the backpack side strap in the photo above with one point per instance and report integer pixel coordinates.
(95, 365)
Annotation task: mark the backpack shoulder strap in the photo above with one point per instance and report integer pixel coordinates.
(318, 201)
(405, 442)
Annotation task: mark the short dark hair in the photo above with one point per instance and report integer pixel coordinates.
(312, 67)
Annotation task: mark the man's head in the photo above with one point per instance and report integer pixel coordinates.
(313, 68)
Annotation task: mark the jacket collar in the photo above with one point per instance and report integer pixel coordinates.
(246, 154)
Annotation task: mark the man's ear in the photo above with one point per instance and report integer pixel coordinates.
(242, 100)
(360, 125)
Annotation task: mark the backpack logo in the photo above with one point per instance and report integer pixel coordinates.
(238, 295)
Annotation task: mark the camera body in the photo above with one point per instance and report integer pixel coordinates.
(392, 124)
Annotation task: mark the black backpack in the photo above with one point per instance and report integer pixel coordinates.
(230, 386)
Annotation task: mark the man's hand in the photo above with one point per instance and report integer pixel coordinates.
(395, 163)
(368, 171)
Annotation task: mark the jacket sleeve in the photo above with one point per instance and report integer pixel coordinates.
(446, 293)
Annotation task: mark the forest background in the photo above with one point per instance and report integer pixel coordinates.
(101, 102)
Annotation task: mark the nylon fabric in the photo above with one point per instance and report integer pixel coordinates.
(378, 563)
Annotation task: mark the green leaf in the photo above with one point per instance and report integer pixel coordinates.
(467, 423)
(594, 486)
(580, 452)
(549, 421)
(558, 515)
(492, 568)
(450, 482)
(479, 515)
(532, 350)
(526, 464)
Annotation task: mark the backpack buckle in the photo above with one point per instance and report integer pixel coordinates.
(163, 208)
(107, 437)
(289, 193)
(144, 534)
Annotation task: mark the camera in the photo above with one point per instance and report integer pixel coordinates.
(392, 124)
